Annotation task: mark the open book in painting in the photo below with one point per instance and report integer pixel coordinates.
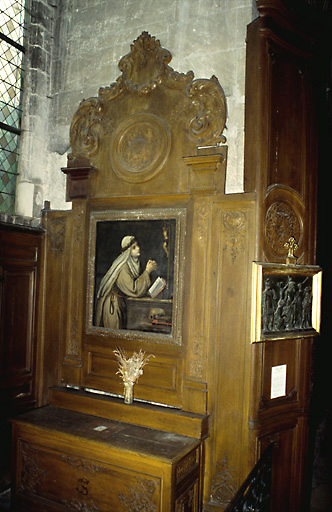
(157, 287)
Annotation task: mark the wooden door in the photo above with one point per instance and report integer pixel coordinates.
(19, 259)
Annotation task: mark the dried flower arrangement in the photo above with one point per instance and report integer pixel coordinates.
(130, 370)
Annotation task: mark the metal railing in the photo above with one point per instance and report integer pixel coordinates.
(255, 492)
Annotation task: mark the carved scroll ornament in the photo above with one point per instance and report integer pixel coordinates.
(174, 99)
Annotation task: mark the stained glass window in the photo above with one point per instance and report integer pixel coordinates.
(12, 28)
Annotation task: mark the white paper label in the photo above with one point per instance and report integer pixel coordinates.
(278, 381)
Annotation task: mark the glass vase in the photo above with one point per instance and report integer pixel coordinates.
(128, 393)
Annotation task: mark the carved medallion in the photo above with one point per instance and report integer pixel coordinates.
(234, 220)
(281, 222)
(140, 147)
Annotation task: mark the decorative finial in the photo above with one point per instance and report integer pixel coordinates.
(291, 245)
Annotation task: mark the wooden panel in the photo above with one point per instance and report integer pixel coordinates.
(19, 255)
(70, 480)
(289, 485)
(53, 322)
(281, 166)
(17, 317)
(19, 283)
(157, 374)
(281, 141)
(287, 100)
(282, 455)
(18, 250)
(228, 457)
(277, 354)
(160, 381)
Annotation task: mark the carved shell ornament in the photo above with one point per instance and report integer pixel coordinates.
(198, 105)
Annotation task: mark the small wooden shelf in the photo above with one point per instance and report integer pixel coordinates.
(139, 413)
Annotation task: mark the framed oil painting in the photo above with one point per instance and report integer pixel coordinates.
(286, 301)
(135, 274)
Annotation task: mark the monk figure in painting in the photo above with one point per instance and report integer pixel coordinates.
(123, 279)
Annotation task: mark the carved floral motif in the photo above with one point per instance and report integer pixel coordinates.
(81, 504)
(83, 465)
(196, 363)
(234, 224)
(203, 219)
(56, 233)
(186, 465)
(146, 67)
(73, 344)
(223, 485)
(32, 474)
(78, 225)
(139, 498)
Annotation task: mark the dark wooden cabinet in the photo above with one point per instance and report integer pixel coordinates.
(19, 278)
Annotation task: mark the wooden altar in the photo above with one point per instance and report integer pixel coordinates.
(149, 156)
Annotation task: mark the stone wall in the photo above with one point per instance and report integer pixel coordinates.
(75, 47)
(37, 109)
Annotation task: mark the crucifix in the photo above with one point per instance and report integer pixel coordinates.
(291, 245)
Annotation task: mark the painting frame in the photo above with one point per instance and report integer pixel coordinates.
(286, 301)
(110, 225)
